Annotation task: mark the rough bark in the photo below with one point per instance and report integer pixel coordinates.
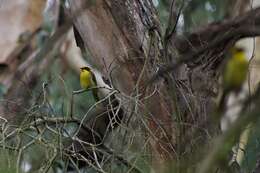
(126, 46)
(125, 36)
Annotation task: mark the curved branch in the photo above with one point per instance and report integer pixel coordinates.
(211, 38)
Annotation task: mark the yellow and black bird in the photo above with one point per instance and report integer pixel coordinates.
(88, 80)
(234, 74)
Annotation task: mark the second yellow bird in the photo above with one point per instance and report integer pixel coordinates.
(234, 75)
(235, 72)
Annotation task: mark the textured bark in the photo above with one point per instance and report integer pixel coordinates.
(125, 36)
(125, 42)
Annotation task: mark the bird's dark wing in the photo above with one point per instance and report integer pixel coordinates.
(93, 78)
(95, 90)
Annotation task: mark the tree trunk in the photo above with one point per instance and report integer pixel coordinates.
(167, 82)
(125, 42)
(123, 38)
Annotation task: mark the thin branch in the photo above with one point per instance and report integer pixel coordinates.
(228, 139)
(235, 35)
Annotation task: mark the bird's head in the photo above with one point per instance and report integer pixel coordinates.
(238, 53)
(236, 49)
(84, 69)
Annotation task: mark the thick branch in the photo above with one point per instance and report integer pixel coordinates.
(245, 25)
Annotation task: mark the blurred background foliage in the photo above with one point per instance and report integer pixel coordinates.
(62, 81)
(195, 14)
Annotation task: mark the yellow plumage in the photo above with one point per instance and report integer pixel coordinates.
(235, 72)
(85, 79)
(234, 76)
(88, 80)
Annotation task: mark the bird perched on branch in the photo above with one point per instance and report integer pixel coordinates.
(88, 80)
(234, 76)
(235, 73)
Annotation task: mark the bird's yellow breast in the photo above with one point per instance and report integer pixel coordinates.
(85, 79)
(236, 70)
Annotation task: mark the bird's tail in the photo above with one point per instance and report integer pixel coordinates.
(223, 101)
(95, 94)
